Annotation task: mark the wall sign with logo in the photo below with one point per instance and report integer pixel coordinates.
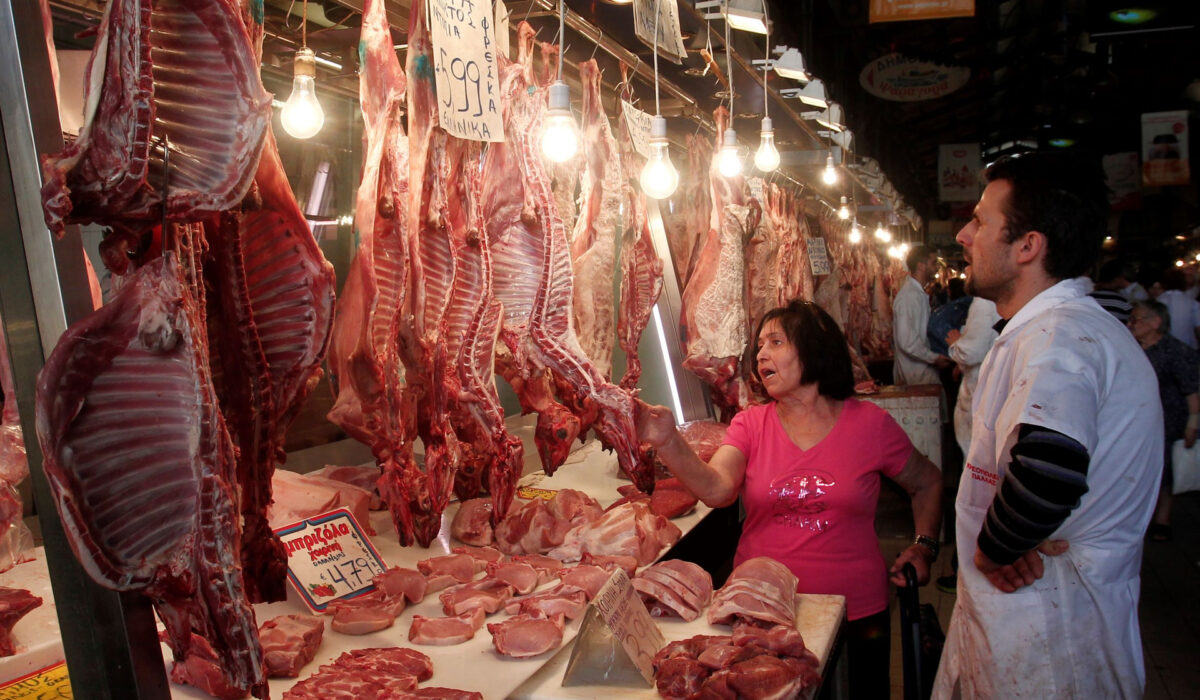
(1165, 149)
(902, 79)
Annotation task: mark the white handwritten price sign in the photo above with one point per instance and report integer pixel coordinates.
(639, 128)
(329, 558)
(50, 683)
(756, 185)
(818, 257)
(669, 41)
(464, 66)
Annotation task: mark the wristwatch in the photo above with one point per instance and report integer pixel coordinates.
(928, 543)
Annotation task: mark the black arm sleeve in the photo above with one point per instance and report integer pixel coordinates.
(1046, 479)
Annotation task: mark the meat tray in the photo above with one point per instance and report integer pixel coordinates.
(473, 665)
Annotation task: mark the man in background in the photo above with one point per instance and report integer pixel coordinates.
(1108, 294)
(913, 360)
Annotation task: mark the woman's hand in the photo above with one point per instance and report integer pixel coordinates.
(655, 424)
(921, 559)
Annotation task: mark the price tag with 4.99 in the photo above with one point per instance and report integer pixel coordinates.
(329, 557)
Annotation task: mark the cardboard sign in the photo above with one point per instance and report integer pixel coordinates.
(669, 42)
(464, 66)
(639, 128)
(329, 558)
(818, 257)
(47, 683)
(620, 634)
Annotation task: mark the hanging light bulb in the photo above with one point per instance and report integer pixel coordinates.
(728, 162)
(855, 234)
(560, 140)
(659, 177)
(882, 234)
(302, 116)
(829, 175)
(843, 211)
(766, 158)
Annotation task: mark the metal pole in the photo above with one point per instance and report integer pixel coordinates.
(109, 639)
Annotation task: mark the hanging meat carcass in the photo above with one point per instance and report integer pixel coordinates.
(533, 282)
(593, 251)
(365, 356)
(762, 253)
(144, 480)
(184, 70)
(714, 318)
(641, 268)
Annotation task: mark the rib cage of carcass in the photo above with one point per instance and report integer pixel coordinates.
(163, 414)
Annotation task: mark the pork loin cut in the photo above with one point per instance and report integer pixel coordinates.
(462, 567)
(472, 523)
(15, 603)
(675, 587)
(523, 636)
(483, 554)
(289, 642)
(446, 631)
(489, 594)
(397, 581)
(570, 603)
(627, 530)
(366, 613)
(584, 577)
(759, 589)
(522, 577)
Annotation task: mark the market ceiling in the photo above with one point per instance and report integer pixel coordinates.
(1031, 71)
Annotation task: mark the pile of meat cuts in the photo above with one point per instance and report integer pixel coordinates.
(763, 657)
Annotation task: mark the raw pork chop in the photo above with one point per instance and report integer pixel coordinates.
(289, 642)
(522, 636)
(446, 631)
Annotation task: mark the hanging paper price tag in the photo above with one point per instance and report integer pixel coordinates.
(669, 41)
(756, 185)
(467, 78)
(639, 128)
(818, 258)
(329, 557)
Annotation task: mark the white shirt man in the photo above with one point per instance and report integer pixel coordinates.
(968, 348)
(913, 361)
(1065, 455)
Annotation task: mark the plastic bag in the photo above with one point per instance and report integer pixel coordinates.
(1185, 467)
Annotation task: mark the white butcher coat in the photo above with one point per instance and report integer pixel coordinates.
(1064, 363)
(968, 351)
(912, 358)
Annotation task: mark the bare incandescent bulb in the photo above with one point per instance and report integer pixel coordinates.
(560, 140)
(829, 175)
(843, 211)
(882, 234)
(302, 116)
(728, 162)
(659, 177)
(766, 158)
(855, 234)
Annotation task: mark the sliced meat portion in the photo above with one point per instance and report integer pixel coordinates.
(472, 523)
(781, 640)
(611, 563)
(703, 436)
(369, 612)
(462, 567)
(675, 587)
(768, 677)
(397, 581)
(289, 642)
(584, 577)
(300, 496)
(142, 85)
(483, 554)
(446, 631)
(541, 562)
(432, 693)
(760, 589)
(670, 499)
(627, 530)
(522, 577)
(570, 603)
(386, 672)
(531, 528)
(523, 636)
(363, 477)
(489, 594)
(680, 678)
(15, 603)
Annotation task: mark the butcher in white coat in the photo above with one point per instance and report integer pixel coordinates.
(1065, 454)
(913, 361)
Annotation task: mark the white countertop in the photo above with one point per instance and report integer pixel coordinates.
(36, 637)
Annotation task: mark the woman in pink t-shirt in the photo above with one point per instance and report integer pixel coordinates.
(807, 467)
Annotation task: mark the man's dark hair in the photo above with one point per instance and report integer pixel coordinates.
(820, 344)
(1063, 197)
(1158, 309)
(1110, 271)
(916, 255)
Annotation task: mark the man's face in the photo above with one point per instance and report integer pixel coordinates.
(992, 267)
(1143, 324)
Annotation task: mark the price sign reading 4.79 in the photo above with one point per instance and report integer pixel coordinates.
(329, 557)
(464, 64)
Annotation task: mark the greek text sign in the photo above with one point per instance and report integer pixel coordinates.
(818, 257)
(639, 128)
(329, 557)
(669, 41)
(464, 59)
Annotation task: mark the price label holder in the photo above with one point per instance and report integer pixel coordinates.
(638, 123)
(329, 558)
(48, 683)
(465, 69)
(818, 256)
(617, 640)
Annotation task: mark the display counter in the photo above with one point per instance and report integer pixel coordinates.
(918, 410)
(36, 638)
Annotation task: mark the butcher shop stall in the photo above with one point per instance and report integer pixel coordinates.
(324, 323)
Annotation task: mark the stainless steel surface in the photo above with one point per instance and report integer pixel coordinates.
(109, 639)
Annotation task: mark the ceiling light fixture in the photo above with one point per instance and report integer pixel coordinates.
(843, 211)
(882, 234)
(560, 140)
(790, 65)
(766, 158)
(729, 163)
(302, 116)
(829, 176)
(745, 15)
(659, 178)
(855, 236)
(812, 94)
